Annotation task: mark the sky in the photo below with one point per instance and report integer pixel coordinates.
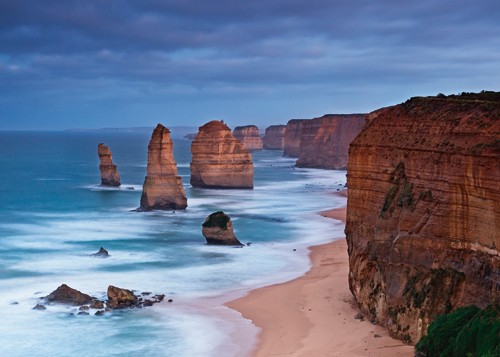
(125, 63)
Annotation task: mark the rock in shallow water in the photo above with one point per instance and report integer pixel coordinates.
(66, 295)
(102, 253)
(119, 298)
(218, 229)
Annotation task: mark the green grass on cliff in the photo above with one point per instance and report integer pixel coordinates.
(466, 332)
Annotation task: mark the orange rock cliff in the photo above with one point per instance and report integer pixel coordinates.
(324, 141)
(293, 132)
(109, 172)
(249, 136)
(423, 212)
(162, 186)
(274, 138)
(219, 160)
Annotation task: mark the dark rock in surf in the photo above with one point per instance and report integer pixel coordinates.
(66, 295)
(102, 253)
(218, 229)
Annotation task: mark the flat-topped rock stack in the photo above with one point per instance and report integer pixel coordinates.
(293, 133)
(219, 160)
(324, 142)
(109, 172)
(162, 187)
(249, 135)
(274, 138)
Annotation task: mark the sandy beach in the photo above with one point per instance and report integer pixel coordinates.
(314, 315)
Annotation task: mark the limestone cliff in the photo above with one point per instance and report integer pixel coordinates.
(324, 142)
(109, 172)
(162, 186)
(423, 213)
(249, 136)
(274, 138)
(219, 160)
(293, 132)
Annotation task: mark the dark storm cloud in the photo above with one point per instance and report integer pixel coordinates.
(154, 50)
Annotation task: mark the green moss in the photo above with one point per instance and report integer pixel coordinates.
(467, 331)
(216, 219)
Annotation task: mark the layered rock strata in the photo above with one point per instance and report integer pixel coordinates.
(423, 212)
(109, 172)
(218, 229)
(274, 138)
(293, 133)
(219, 160)
(249, 135)
(162, 187)
(324, 142)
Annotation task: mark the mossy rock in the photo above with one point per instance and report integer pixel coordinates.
(217, 219)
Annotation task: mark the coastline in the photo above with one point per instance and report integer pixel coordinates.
(314, 314)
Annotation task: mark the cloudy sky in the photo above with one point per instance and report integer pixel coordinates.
(121, 63)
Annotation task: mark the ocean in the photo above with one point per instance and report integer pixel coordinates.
(53, 214)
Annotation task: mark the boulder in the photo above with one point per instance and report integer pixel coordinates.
(66, 295)
(119, 298)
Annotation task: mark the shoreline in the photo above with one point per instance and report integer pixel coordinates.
(314, 314)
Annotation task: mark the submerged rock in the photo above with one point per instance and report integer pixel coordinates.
(109, 172)
(39, 307)
(162, 187)
(66, 295)
(102, 253)
(218, 229)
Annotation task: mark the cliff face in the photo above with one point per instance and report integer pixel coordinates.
(249, 137)
(324, 143)
(109, 172)
(275, 137)
(162, 186)
(219, 160)
(293, 132)
(423, 212)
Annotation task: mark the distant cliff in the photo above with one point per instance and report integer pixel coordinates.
(293, 132)
(249, 136)
(324, 141)
(423, 213)
(274, 138)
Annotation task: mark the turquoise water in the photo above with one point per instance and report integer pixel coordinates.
(54, 213)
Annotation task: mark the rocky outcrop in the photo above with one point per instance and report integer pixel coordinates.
(249, 137)
(219, 160)
(66, 295)
(119, 298)
(324, 143)
(423, 212)
(274, 138)
(293, 133)
(162, 186)
(102, 253)
(218, 229)
(109, 172)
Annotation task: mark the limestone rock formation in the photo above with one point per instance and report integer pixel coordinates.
(109, 172)
(423, 212)
(293, 133)
(324, 143)
(66, 295)
(119, 298)
(275, 137)
(219, 160)
(162, 186)
(249, 135)
(218, 229)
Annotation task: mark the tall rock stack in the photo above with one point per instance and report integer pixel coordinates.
(275, 137)
(109, 172)
(162, 186)
(423, 213)
(219, 160)
(324, 143)
(249, 136)
(293, 132)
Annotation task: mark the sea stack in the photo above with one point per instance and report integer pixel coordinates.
(109, 172)
(274, 138)
(218, 229)
(293, 132)
(249, 137)
(324, 142)
(219, 160)
(162, 186)
(423, 212)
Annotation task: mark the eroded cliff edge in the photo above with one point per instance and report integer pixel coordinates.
(423, 213)
(324, 142)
